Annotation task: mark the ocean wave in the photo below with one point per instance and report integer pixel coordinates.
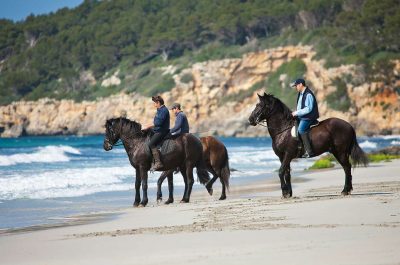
(48, 154)
(387, 137)
(257, 157)
(395, 142)
(75, 182)
(369, 145)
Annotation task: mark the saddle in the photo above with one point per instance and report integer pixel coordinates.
(166, 146)
(293, 132)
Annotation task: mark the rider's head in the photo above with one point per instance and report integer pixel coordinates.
(176, 107)
(158, 101)
(299, 84)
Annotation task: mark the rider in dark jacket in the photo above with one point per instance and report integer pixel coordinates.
(160, 127)
(181, 121)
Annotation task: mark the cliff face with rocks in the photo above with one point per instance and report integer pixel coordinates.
(202, 88)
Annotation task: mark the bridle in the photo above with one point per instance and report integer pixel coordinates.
(261, 122)
(119, 142)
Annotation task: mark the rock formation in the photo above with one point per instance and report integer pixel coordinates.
(374, 107)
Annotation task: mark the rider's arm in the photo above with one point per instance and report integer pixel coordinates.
(178, 125)
(308, 106)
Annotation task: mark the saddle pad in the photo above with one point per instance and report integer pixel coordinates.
(166, 147)
(293, 132)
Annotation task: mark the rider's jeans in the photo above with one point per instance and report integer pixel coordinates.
(304, 126)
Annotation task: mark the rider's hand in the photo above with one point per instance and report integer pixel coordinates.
(294, 113)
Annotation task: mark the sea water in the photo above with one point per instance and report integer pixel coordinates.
(43, 179)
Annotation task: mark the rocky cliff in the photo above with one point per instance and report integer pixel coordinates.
(202, 90)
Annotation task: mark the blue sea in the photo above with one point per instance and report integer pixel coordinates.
(45, 179)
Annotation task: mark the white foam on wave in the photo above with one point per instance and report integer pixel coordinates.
(251, 157)
(387, 137)
(48, 154)
(74, 182)
(64, 183)
(368, 144)
(395, 142)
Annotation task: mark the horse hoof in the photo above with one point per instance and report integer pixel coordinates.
(169, 201)
(286, 195)
(210, 191)
(346, 193)
(136, 204)
(222, 198)
(159, 200)
(184, 201)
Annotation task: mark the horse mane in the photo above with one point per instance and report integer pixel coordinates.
(281, 107)
(131, 126)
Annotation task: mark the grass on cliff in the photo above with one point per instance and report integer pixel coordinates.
(328, 161)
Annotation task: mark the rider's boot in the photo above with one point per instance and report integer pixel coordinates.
(157, 160)
(305, 137)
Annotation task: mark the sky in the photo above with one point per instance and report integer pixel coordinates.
(18, 10)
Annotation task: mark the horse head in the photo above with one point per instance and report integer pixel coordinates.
(262, 110)
(113, 133)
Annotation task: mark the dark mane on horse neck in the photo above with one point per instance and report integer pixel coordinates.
(131, 126)
(281, 107)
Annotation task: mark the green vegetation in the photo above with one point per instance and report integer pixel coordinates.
(375, 158)
(326, 161)
(241, 95)
(339, 99)
(281, 88)
(45, 55)
(322, 163)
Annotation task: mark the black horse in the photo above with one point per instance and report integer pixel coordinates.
(331, 135)
(187, 154)
(216, 160)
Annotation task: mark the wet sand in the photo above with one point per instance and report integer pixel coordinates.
(253, 226)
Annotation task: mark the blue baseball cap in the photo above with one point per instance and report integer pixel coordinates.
(298, 81)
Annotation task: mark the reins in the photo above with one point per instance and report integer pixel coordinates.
(259, 122)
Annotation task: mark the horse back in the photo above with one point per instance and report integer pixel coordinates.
(214, 151)
(331, 133)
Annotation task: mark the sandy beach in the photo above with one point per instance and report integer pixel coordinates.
(253, 226)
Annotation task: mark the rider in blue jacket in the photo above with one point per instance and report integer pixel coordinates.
(307, 113)
(181, 121)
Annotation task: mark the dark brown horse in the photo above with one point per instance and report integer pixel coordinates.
(216, 160)
(331, 135)
(187, 154)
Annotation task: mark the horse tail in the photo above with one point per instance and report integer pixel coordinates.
(357, 155)
(225, 171)
(202, 174)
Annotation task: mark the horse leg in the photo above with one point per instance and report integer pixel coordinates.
(159, 184)
(170, 188)
(288, 181)
(137, 189)
(145, 200)
(210, 183)
(284, 176)
(183, 172)
(190, 181)
(344, 161)
(223, 194)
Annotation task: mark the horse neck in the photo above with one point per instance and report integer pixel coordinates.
(130, 140)
(277, 123)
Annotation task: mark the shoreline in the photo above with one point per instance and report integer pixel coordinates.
(317, 225)
(251, 189)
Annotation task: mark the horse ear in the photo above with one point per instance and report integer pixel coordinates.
(260, 97)
(265, 94)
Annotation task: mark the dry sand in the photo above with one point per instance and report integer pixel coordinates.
(253, 226)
